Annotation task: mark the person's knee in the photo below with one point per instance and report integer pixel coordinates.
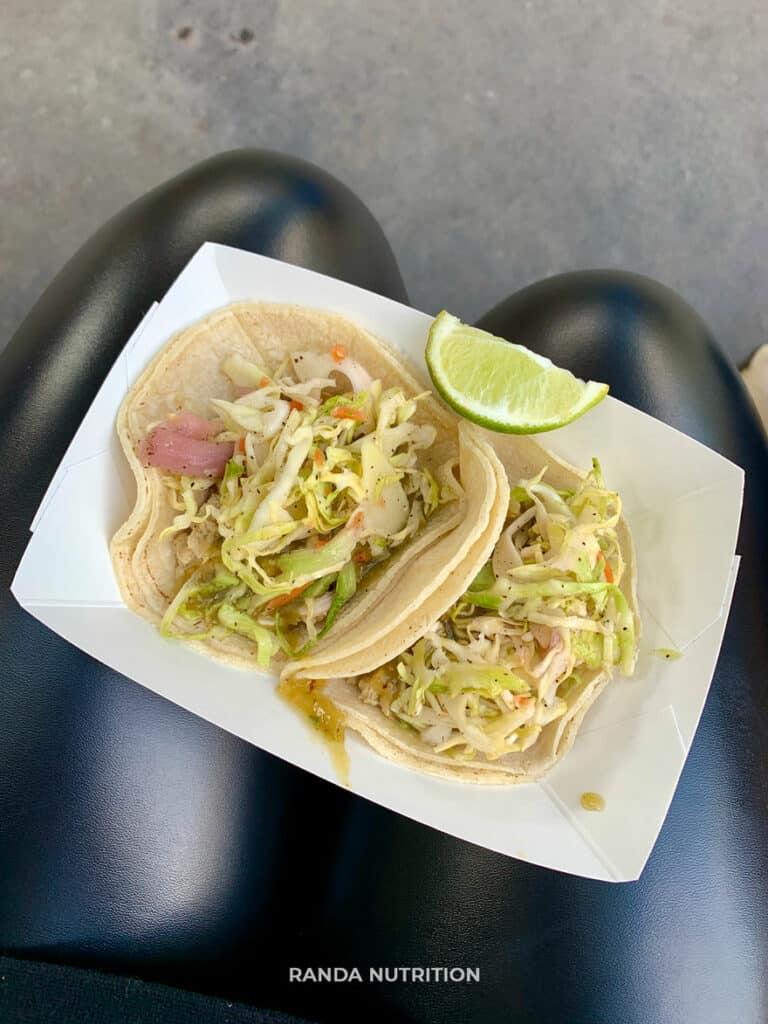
(231, 195)
(603, 323)
(582, 306)
(640, 337)
(253, 176)
(276, 205)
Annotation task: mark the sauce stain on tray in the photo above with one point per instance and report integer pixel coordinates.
(592, 802)
(306, 696)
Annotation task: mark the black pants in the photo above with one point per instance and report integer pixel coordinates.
(138, 838)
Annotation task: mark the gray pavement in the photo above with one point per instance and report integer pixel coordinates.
(496, 141)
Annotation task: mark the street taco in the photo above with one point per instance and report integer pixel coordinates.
(496, 684)
(293, 481)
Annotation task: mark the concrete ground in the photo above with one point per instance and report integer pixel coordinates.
(496, 141)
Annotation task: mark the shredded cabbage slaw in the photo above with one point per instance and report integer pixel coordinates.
(325, 481)
(542, 614)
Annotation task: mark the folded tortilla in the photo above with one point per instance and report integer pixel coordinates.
(522, 459)
(150, 565)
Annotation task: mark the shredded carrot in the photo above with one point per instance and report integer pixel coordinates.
(281, 599)
(295, 405)
(520, 700)
(346, 412)
(319, 458)
(264, 382)
(361, 556)
(241, 445)
(607, 570)
(357, 518)
(318, 542)
(338, 353)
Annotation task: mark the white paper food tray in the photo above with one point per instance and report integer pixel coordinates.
(683, 505)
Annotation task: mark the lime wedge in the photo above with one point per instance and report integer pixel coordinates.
(503, 386)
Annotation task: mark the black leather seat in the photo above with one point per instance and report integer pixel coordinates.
(140, 839)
